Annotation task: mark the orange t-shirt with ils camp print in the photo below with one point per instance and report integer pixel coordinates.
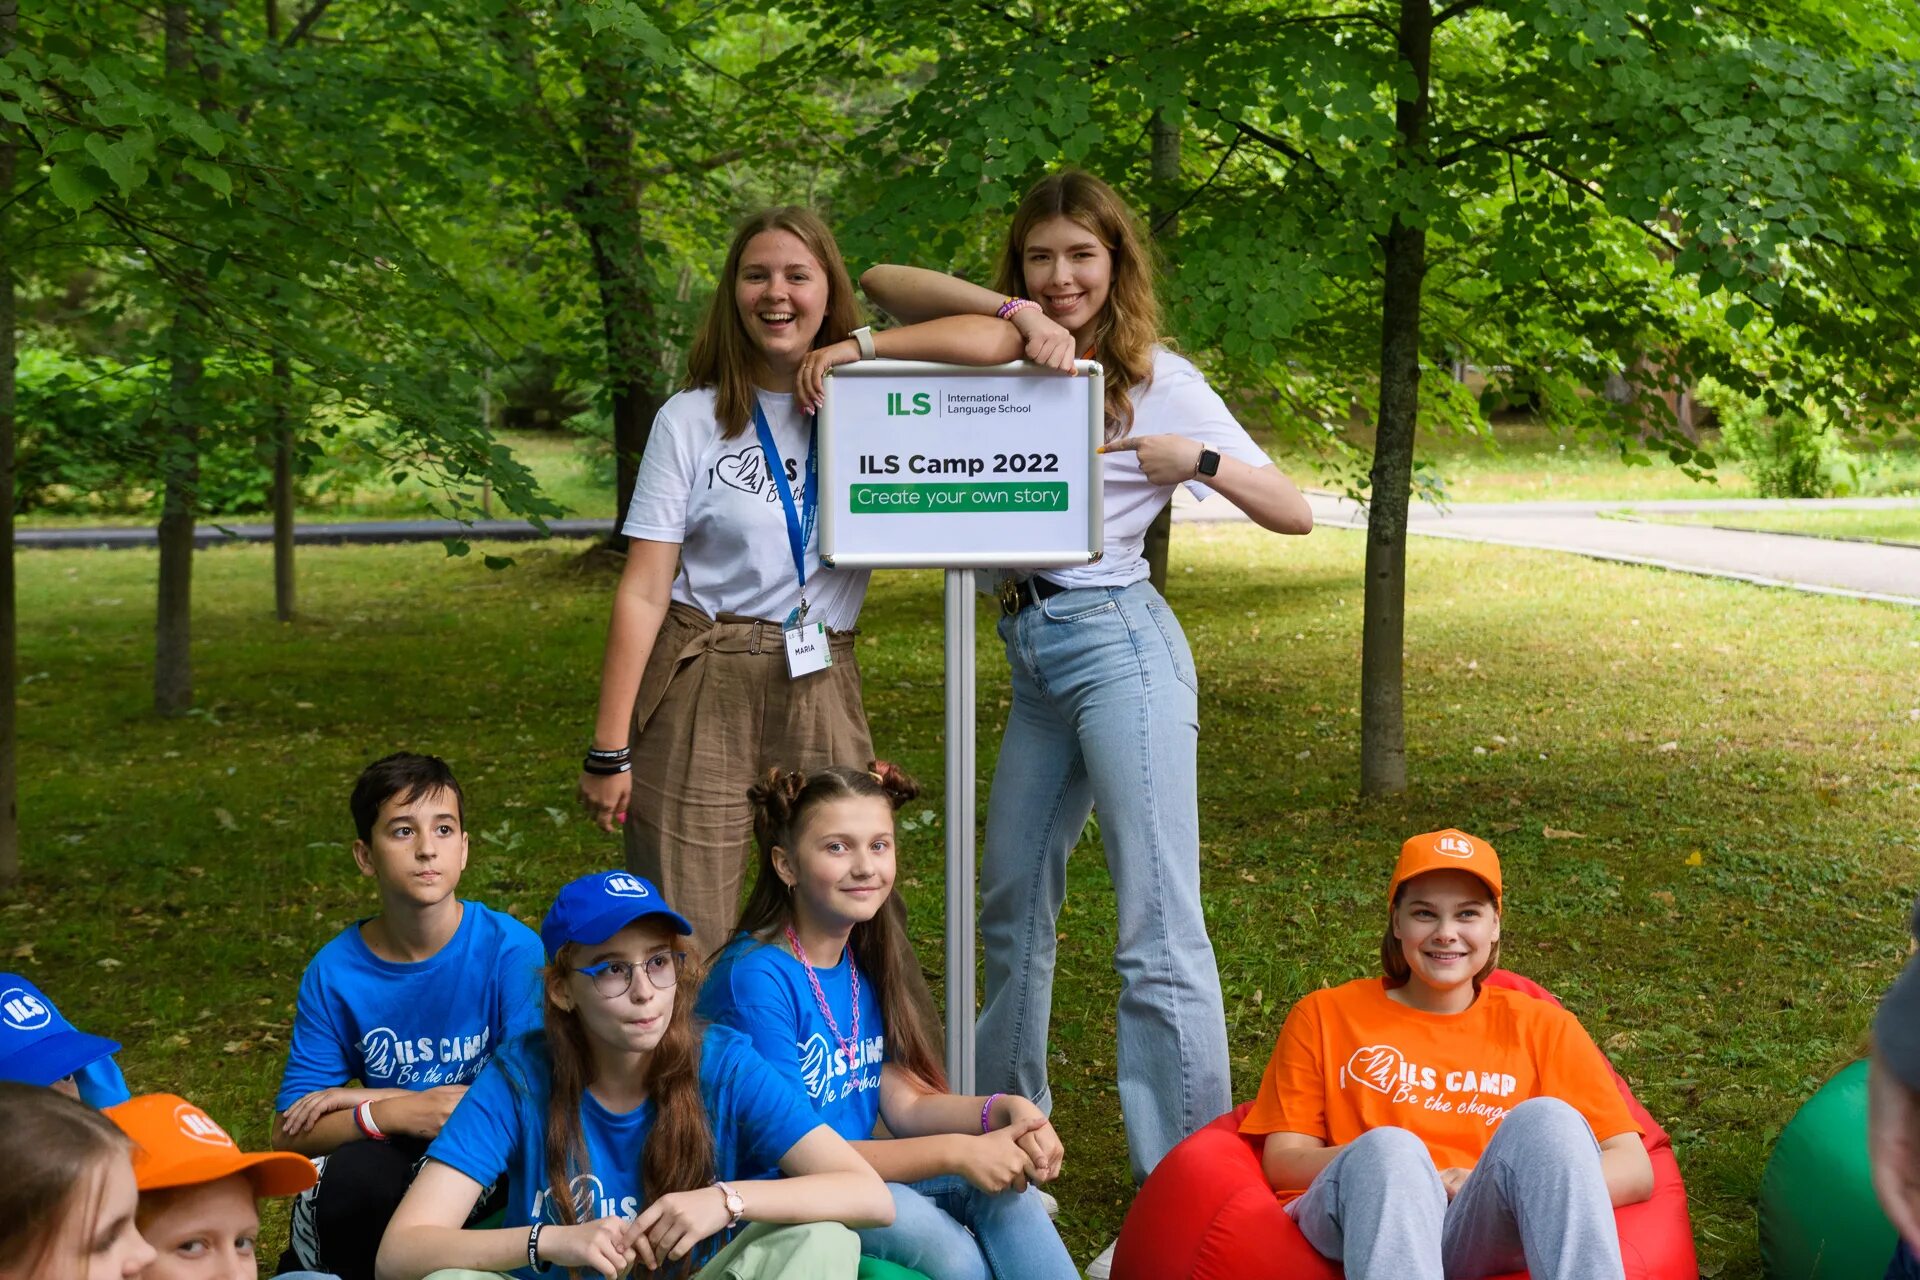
(1351, 1058)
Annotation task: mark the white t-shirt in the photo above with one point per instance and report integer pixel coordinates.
(717, 499)
(1177, 402)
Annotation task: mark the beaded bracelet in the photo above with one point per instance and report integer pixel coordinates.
(1013, 307)
(986, 1113)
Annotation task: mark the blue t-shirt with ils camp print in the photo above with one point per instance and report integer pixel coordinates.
(763, 991)
(418, 1025)
(501, 1127)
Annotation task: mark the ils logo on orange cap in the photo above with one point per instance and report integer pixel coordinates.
(198, 1125)
(1457, 846)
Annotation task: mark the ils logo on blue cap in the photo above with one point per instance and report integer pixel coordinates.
(23, 1010)
(622, 885)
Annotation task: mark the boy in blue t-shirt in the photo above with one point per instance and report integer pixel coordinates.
(396, 1016)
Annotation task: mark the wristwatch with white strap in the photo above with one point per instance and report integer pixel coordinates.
(735, 1205)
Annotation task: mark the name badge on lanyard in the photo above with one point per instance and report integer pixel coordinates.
(808, 650)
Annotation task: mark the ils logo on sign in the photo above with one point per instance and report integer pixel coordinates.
(898, 406)
(23, 1010)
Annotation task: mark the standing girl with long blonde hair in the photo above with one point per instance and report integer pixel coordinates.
(697, 695)
(629, 1136)
(1105, 696)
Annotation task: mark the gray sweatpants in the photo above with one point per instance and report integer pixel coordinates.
(1535, 1200)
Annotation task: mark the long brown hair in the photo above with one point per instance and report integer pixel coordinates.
(56, 1150)
(723, 356)
(880, 946)
(1128, 327)
(678, 1155)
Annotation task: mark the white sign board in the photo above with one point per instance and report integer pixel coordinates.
(949, 466)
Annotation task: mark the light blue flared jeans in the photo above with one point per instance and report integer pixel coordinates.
(948, 1229)
(1105, 716)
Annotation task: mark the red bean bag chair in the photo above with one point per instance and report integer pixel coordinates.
(1206, 1213)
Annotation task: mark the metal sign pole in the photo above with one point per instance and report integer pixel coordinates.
(960, 834)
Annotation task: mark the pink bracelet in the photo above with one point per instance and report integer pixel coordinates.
(1014, 306)
(986, 1112)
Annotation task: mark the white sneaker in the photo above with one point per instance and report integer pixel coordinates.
(1046, 1199)
(1101, 1268)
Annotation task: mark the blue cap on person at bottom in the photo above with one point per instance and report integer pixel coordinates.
(594, 908)
(37, 1045)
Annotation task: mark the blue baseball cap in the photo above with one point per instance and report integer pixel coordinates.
(594, 908)
(37, 1045)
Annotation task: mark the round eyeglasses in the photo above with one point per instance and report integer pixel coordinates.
(614, 978)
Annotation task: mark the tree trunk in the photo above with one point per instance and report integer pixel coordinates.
(1383, 737)
(179, 451)
(1165, 136)
(608, 209)
(282, 489)
(9, 629)
(180, 467)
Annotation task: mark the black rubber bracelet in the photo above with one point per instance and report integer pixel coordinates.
(602, 769)
(533, 1248)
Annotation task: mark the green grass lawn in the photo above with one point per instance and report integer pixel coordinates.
(567, 468)
(1520, 462)
(1705, 795)
(1527, 462)
(1883, 526)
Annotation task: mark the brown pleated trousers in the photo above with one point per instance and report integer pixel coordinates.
(716, 710)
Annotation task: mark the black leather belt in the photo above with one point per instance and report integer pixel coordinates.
(1017, 594)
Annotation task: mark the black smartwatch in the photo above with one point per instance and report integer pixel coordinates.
(1209, 464)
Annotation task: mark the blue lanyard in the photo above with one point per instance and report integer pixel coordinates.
(799, 529)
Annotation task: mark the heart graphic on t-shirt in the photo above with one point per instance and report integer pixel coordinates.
(1377, 1066)
(746, 471)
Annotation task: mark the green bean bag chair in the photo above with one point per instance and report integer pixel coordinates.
(1818, 1216)
(874, 1269)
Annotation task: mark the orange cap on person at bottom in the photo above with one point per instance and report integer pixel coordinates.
(1448, 850)
(179, 1145)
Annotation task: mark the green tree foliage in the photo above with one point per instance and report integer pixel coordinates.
(1375, 192)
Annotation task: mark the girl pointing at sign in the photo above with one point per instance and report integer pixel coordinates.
(1104, 690)
(731, 648)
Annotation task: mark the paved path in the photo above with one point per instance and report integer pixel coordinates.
(1862, 569)
(359, 532)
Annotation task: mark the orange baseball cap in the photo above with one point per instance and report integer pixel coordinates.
(179, 1145)
(1447, 850)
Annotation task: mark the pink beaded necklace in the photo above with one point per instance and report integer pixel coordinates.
(853, 977)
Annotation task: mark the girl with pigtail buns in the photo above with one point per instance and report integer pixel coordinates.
(819, 974)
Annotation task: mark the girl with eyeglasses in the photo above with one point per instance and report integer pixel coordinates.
(817, 974)
(632, 1137)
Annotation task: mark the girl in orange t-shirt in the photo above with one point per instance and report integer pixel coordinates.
(1423, 1127)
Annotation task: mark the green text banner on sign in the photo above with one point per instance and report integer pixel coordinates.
(936, 466)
